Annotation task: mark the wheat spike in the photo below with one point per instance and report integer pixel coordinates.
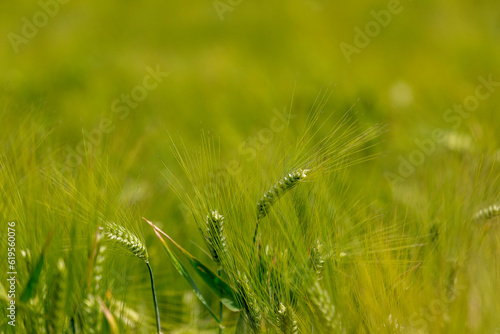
(287, 320)
(278, 190)
(58, 298)
(275, 193)
(317, 258)
(487, 213)
(126, 239)
(129, 317)
(215, 237)
(36, 322)
(321, 300)
(92, 316)
(98, 264)
(249, 301)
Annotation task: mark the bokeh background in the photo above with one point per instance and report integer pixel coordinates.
(229, 65)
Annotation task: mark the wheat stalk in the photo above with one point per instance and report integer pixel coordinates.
(130, 242)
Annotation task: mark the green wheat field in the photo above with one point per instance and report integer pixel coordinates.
(237, 166)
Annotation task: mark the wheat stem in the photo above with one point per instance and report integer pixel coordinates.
(157, 311)
(130, 242)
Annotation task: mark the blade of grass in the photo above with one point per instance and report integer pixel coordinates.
(113, 325)
(221, 289)
(184, 273)
(241, 327)
(30, 289)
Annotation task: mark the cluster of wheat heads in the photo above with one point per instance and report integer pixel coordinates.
(274, 290)
(275, 282)
(51, 303)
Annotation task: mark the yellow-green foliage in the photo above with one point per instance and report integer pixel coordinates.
(393, 229)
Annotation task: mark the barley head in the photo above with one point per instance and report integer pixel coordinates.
(487, 213)
(287, 320)
(98, 269)
(215, 237)
(126, 240)
(321, 300)
(249, 302)
(58, 298)
(317, 258)
(278, 190)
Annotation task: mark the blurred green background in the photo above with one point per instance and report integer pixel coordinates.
(230, 64)
(227, 74)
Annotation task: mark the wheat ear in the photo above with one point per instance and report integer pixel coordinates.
(276, 192)
(92, 316)
(321, 300)
(249, 302)
(287, 320)
(215, 237)
(317, 258)
(126, 240)
(98, 270)
(58, 298)
(130, 242)
(487, 213)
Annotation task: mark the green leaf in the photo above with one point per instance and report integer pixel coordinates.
(30, 289)
(184, 273)
(241, 327)
(221, 289)
(113, 325)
